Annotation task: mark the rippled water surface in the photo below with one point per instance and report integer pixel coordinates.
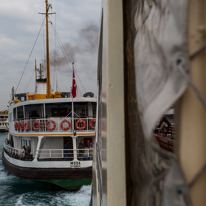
(17, 192)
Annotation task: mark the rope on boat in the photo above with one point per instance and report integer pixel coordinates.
(29, 81)
(30, 55)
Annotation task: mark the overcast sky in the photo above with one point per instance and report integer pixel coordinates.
(77, 26)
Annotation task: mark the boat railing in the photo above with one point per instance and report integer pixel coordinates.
(17, 153)
(50, 154)
(65, 154)
(54, 124)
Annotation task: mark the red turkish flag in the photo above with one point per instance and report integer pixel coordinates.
(74, 86)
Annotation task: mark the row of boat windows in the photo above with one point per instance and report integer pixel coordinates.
(81, 109)
(4, 124)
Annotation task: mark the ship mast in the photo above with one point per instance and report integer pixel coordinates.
(47, 48)
(47, 51)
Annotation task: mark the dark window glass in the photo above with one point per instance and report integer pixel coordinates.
(20, 113)
(34, 111)
(58, 109)
(14, 114)
(81, 109)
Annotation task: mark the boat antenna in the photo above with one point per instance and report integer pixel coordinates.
(47, 48)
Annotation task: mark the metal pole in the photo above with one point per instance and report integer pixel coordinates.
(72, 100)
(47, 51)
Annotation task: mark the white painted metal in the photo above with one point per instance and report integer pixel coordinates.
(45, 164)
(41, 88)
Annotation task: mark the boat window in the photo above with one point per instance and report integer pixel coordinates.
(81, 109)
(58, 110)
(34, 111)
(94, 106)
(14, 112)
(20, 113)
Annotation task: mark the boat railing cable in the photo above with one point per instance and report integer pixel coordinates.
(30, 55)
(65, 53)
(29, 81)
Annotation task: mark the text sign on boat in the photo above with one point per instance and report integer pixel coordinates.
(75, 164)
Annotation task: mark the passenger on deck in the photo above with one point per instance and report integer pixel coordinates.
(27, 153)
(66, 152)
(91, 150)
(82, 114)
(22, 156)
(11, 143)
(163, 126)
(81, 150)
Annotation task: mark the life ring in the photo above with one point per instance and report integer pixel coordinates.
(77, 124)
(34, 125)
(22, 126)
(93, 120)
(26, 126)
(65, 128)
(16, 125)
(54, 125)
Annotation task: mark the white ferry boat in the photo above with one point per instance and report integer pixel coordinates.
(51, 135)
(4, 123)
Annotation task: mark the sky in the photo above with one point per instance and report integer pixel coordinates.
(73, 30)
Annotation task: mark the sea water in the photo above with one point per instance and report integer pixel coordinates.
(17, 192)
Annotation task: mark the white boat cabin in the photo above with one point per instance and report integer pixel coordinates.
(45, 126)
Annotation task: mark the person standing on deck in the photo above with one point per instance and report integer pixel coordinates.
(66, 152)
(81, 151)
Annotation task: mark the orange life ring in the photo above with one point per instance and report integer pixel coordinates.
(69, 124)
(16, 126)
(93, 120)
(26, 126)
(54, 125)
(21, 126)
(34, 125)
(77, 124)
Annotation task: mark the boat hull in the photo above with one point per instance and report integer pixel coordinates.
(67, 178)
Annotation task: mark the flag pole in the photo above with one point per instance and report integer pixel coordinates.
(72, 99)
